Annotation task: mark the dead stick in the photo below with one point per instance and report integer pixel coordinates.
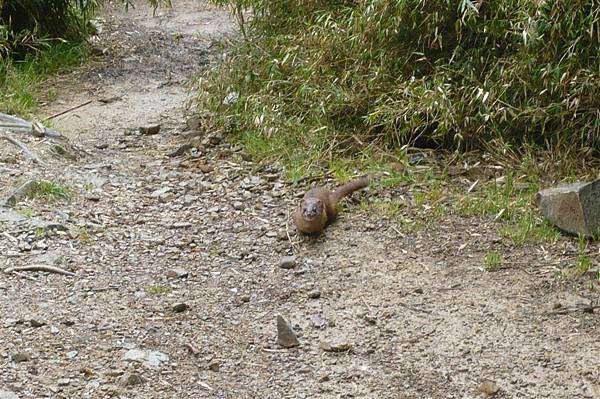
(589, 309)
(23, 275)
(66, 110)
(192, 348)
(39, 268)
(22, 146)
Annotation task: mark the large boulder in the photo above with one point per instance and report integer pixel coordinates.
(574, 208)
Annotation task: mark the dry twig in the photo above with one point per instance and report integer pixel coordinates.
(39, 268)
(21, 146)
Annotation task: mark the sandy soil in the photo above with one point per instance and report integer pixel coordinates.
(415, 315)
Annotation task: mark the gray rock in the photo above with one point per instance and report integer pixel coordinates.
(161, 192)
(314, 294)
(19, 357)
(335, 345)
(214, 366)
(35, 323)
(318, 321)
(148, 358)
(132, 379)
(574, 208)
(149, 130)
(286, 336)
(17, 195)
(8, 395)
(180, 307)
(177, 272)
(287, 262)
(488, 388)
(9, 216)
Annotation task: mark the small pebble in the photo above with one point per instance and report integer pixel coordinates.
(180, 307)
(287, 262)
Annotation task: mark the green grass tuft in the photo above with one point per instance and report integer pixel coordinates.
(49, 191)
(22, 83)
(492, 260)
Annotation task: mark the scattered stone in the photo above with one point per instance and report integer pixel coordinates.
(245, 298)
(214, 366)
(147, 358)
(63, 382)
(238, 206)
(40, 245)
(94, 197)
(21, 192)
(488, 388)
(335, 345)
(160, 192)
(318, 321)
(149, 130)
(101, 146)
(177, 272)
(36, 323)
(194, 123)
(71, 354)
(282, 235)
(286, 336)
(20, 357)
(324, 378)
(99, 51)
(314, 294)
(180, 307)
(287, 262)
(132, 379)
(180, 151)
(9, 216)
(110, 100)
(206, 168)
(11, 322)
(369, 318)
(574, 208)
(418, 291)
(215, 139)
(8, 395)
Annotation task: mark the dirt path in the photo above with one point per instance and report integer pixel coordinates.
(422, 317)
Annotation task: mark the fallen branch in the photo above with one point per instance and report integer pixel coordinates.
(192, 348)
(584, 309)
(39, 268)
(17, 125)
(22, 146)
(66, 110)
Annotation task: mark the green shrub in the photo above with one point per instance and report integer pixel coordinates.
(31, 25)
(333, 76)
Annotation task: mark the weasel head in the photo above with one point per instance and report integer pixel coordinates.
(312, 209)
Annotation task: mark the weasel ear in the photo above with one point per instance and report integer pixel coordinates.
(319, 202)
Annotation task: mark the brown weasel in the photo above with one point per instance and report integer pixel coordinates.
(318, 206)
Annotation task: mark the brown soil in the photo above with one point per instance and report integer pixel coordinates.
(422, 316)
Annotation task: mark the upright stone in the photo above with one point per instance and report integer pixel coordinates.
(286, 336)
(574, 208)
